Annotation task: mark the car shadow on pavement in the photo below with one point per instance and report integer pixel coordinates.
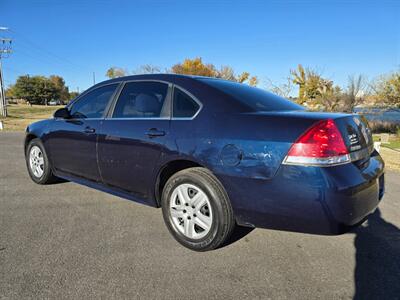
(238, 233)
(58, 181)
(377, 272)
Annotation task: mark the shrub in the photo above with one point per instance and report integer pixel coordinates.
(383, 127)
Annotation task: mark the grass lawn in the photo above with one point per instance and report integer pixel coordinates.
(21, 115)
(395, 144)
(391, 158)
(394, 141)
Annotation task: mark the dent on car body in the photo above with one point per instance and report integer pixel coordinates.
(254, 158)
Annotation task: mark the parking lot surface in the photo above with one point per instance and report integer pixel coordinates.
(70, 241)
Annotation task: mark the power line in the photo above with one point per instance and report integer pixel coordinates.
(14, 70)
(37, 47)
(45, 55)
(36, 55)
(37, 58)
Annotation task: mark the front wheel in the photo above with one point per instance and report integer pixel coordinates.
(196, 209)
(38, 163)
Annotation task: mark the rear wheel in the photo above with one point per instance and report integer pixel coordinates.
(37, 163)
(197, 210)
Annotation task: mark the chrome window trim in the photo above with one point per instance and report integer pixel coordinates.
(107, 118)
(147, 80)
(130, 119)
(106, 109)
(110, 105)
(90, 90)
(79, 119)
(191, 96)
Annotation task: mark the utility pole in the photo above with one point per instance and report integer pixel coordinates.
(5, 51)
(94, 78)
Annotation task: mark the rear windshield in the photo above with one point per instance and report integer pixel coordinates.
(254, 98)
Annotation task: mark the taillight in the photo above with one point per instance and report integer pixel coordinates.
(321, 145)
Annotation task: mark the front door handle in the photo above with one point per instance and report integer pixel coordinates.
(154, 132)
(89, 130)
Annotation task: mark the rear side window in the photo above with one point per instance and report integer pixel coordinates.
(254, 98)
(93, 103)
(142, 100)
(184, 106)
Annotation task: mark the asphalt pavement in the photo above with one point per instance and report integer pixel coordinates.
(69, 241)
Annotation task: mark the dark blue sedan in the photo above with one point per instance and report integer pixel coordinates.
(213, 154)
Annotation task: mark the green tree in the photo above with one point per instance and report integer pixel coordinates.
(72, 95)
(61, 88)
(312, 86)
(35, 89)
(299, 77)
(115, 72)
(10, 91)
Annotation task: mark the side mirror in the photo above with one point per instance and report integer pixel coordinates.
(62, 113)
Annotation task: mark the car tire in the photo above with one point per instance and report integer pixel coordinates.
(197, 210)
(38, 164)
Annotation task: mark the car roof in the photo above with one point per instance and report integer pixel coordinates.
(157, 76)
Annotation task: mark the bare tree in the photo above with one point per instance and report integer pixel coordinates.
(330, 99)
(355, 92)
(284, 90)
(147, 69)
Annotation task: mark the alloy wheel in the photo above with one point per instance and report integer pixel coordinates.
(36, 161)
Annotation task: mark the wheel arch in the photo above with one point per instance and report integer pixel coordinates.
(29, 137)
(169, 169)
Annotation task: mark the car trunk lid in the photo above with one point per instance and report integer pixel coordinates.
(356, 135)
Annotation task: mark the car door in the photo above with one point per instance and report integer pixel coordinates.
(134, 135)
(73, 140)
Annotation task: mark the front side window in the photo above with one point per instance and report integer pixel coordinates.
(93, 104)
(142, 100)
(184, 106)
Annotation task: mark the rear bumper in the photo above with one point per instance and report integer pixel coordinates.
(309, 199)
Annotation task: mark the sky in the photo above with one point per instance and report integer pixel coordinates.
(75, 38)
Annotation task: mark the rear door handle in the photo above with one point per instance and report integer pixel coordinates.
(89, 130)
(154, 132)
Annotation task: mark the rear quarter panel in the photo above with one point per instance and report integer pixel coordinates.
(242, 145)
